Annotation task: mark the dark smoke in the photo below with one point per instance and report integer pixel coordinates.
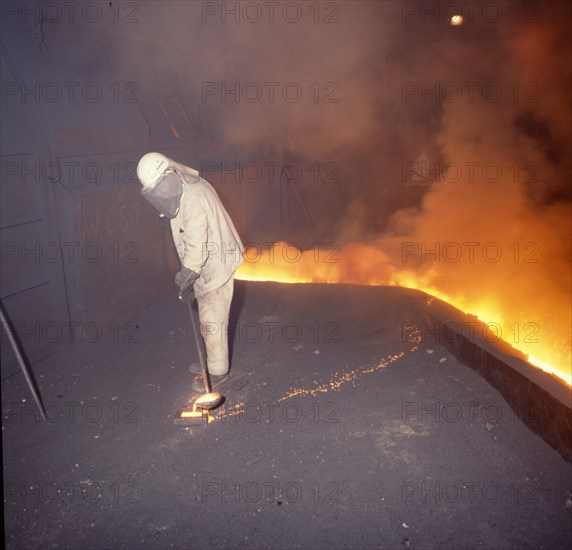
(372, 131)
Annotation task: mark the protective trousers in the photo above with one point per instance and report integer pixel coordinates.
(214, 308)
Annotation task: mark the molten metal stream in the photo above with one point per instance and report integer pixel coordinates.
(368, 265)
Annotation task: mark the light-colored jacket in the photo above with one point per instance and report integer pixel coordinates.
(204, 235)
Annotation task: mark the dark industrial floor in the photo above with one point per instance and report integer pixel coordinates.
(335, 433)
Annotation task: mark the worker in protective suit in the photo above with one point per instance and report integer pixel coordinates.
(208, 247)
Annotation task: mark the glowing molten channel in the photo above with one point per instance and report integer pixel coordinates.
(369, 265)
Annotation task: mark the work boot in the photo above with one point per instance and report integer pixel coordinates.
(215, 380)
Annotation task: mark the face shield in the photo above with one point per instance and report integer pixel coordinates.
(166, 194)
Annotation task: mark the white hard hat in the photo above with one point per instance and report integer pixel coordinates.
(151, 167)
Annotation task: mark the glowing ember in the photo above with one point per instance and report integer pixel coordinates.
(369, 265)
(336, 381)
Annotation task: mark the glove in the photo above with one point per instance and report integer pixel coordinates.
(185, 280)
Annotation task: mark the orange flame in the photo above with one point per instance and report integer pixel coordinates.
(369, 265)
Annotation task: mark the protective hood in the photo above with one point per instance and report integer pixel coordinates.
(166, 194)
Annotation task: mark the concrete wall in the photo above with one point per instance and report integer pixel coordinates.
(81, 250)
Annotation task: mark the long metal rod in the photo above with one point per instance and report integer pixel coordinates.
(198, 340)
(304, 209)
(21, 361)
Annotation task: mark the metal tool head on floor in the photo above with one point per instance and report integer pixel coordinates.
(210, 400)
(199, 414)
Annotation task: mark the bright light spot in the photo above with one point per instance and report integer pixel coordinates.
(457, 20)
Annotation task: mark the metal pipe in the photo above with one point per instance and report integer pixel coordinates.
(21, 361)
(199, 343)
